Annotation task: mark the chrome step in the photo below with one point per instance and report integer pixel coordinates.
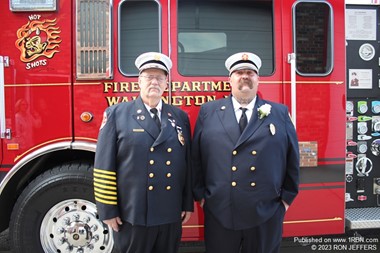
(363, 218)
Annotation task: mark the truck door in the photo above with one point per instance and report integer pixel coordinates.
(203, 35)
(36, 50)
(314, 77)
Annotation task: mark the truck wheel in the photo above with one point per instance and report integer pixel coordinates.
(56, 213)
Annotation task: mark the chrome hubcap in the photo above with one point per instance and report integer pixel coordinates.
(72, 226)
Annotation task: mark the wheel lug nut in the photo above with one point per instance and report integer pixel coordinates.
(66, 221)
(76, 217)
(96, 238)
(94, 228)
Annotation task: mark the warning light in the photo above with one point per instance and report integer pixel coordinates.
(86, 117)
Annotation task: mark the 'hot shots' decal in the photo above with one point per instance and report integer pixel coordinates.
(38, 41)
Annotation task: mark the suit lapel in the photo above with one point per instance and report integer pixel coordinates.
(166, 125)
(253, 124)
(144, 119)
(226, 115)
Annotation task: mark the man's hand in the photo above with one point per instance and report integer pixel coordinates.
(286, 205)
(185, 216)
(201, 202)
(114, 223)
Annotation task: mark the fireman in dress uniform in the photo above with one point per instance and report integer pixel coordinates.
(142, 165)
(245, 164)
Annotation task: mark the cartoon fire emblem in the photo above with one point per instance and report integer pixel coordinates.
(38, 38)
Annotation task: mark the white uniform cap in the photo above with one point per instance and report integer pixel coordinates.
(153, 60)
(244, 60)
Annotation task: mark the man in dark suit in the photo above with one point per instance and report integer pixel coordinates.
(142, 172)
(246, 164)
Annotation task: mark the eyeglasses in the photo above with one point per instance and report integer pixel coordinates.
(245, 72)
(159, 79)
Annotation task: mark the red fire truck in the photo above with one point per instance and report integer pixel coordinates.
(62, 62)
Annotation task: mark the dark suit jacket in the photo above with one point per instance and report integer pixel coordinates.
(243, 178)
(151, 169)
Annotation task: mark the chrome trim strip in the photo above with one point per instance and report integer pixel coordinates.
(80, 145)
(2, 99)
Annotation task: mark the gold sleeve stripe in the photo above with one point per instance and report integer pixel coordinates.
(106, 202)
(106, 182)
(105, 196)
(104, 176)
(105, 186)
(105, 172)
(105, 192)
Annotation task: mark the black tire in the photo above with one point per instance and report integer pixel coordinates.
(56, 212)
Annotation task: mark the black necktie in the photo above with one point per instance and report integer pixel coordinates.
(243, 119)
(155, 117)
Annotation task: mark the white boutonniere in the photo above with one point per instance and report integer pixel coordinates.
(264, 110)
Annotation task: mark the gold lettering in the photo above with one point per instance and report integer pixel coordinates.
(165, 99)
(176, 100)
(135, 87)
(107, 86)
(121, 87)
(226, 86)
(175, 86)
(112, 100)
(124, 87)
(117, 100)
(199, 100)
(187, 100)
(196, 86)
(186, 87)
(216, 86)
(206, 85)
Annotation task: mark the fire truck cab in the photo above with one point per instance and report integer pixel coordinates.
(62, 62)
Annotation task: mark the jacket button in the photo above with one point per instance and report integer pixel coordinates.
(151, 162)
(168, 162)
(151, 175)
(254, 152)
(253, 168)
(150, 187)
(234, 152)
(170, 150)
(233, 184)
(151, 149)
(168, 188)
(253, 184)
(234, 168)
(169, 175)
